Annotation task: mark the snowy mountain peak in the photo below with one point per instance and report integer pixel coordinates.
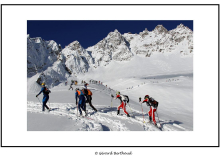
(114, 35)
(116, 31)
(144, 33)
(181, 26)
(160, 29)
(75, 45)
(146, 30)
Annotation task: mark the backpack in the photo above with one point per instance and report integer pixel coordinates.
(85, 91)
(153, 102)
(89, 92)
(47, 91)
(124, 98)
(80, 92)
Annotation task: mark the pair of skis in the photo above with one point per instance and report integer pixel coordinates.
(151, 123)
(83, 116)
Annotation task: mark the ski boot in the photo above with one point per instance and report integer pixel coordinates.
(128, 115)
(118, 112)
(86, 114)
(150, 119)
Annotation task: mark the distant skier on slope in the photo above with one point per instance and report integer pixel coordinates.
(88, 95)
(71, 86)
(46, 92)
(85, 85)
(81, 104)
(153, 107)
(124, 100)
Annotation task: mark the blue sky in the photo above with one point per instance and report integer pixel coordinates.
(88, 33)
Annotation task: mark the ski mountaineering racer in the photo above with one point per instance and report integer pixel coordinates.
(71, 86)
(85, 85)
(82, 103)
(153, 107)
(46, 92)
(88, 95)
(124, 100)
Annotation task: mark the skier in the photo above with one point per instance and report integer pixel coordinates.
(71, 86)
(153, 108)
(88, 95)
(124, 100)
(81, 104)
(85, 85)
(46, 92)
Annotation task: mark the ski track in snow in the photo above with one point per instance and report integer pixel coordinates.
(104, 120)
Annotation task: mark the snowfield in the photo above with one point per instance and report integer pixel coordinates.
(175, 107)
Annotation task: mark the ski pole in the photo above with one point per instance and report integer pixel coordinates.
(130, 108)
(142, 113)
(39, 100)
(158, 119)
(142, 109)
(111, 101)
(77, 111)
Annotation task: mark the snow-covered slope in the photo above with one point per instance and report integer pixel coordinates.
(139, 66)
(173, 116)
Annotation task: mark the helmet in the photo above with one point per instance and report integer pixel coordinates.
(118, 92)
(43, 84)
(147, 96)
(77, 89)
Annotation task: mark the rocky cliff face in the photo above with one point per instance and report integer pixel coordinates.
(45, 60)
(113, 47)
(77, 59)
(40, 54)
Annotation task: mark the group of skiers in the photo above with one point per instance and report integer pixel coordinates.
(84, 95)
(124, 99)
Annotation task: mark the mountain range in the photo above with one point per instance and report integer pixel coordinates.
(48, 62)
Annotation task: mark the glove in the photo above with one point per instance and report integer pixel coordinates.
(36, 95)
(76, 103)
